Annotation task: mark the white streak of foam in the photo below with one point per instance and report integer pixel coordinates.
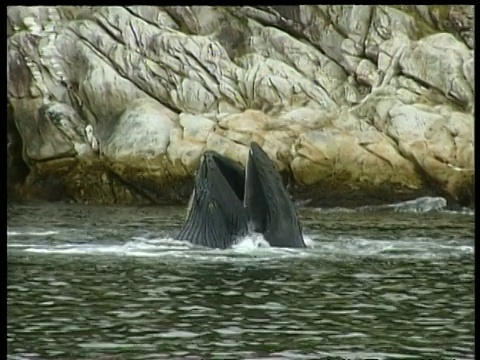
(31, 233)
(250, 242)
(256, 248)
(309, 241)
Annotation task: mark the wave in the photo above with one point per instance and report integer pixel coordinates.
(407, 247)
(31, 233)
(419, 205)
(255, 247)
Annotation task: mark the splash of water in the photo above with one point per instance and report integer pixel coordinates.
(420, 205)
(255, 247)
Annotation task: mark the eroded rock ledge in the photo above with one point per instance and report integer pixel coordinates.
(355, 104)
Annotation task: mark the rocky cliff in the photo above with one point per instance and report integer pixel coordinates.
(355, 104)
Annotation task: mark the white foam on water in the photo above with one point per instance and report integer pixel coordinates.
(462, 211)
(251, 242)
(252, 247)
(417, 247)
(256, 240)
(309, 241)
(19, 245)
(255, 247)
(138, 247)
(32, 233)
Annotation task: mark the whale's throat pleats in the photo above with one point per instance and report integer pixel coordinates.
(216, 217)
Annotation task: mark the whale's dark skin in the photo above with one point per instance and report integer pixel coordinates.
(269, 208)
(229, 201)
(216, 215)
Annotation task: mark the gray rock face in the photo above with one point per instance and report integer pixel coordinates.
(355, 104)
(143, 130)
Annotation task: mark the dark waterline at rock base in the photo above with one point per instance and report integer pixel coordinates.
(178, 193)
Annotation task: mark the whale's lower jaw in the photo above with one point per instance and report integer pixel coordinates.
(216, 217)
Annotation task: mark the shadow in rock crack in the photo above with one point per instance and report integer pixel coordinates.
(17, 169)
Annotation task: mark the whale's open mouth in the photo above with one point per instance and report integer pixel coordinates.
(229, 201)
(232, 172)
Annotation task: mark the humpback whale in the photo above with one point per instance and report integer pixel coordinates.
(269, 209)
(229, 201)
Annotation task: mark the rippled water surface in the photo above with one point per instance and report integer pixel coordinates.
(111, 283)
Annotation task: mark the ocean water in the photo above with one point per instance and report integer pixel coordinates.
(102, 282)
